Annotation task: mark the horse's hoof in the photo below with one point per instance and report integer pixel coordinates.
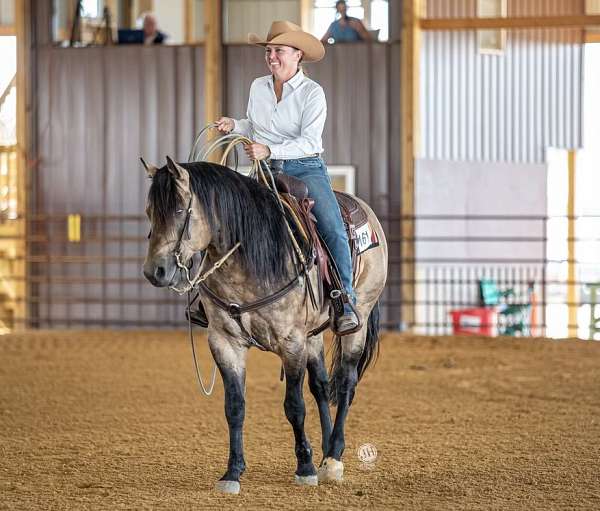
(232, 487)
(307, 480)
(331, 470)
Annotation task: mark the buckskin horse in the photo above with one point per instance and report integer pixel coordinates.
(254, 295)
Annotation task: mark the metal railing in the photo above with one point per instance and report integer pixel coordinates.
(97, 280)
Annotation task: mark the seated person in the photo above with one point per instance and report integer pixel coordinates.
(346, 29)
(151, 33)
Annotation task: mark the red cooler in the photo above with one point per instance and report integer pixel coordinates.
(477, 321)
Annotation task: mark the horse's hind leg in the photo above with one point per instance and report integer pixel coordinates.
(295, 412)
(346, 378)
(232, 366)
(318, 382)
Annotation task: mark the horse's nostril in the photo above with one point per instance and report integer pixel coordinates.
(160, 272)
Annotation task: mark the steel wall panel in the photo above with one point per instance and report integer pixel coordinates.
(507, 107)
(100, 109)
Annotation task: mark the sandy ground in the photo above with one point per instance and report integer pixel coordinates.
(112, 420)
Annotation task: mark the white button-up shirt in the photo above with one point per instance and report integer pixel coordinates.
(292, 128)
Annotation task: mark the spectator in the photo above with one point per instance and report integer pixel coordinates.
(345, 29)
(151, 33)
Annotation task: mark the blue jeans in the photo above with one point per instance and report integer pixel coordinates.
(327, 212)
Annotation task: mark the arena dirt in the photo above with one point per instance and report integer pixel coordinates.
(114, 420)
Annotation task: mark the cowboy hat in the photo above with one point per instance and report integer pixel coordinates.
(287, 33)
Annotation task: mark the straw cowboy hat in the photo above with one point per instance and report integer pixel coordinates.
(288, 34)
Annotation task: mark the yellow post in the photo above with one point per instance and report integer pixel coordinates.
(572, 298)
(411, 45)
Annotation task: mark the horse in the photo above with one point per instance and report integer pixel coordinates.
(237, 224)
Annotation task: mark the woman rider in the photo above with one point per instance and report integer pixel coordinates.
(285, 119)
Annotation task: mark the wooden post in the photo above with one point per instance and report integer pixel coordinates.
(572, 298)
(126, 17)
(213, 51)
(189, 22)
(306, 7)
(23, 18)
(410, 48)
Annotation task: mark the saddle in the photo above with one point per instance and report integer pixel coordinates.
(295, 193)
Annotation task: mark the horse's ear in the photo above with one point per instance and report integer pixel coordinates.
(177, 170)
(150, 169)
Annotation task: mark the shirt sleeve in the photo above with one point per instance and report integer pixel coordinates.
(244, 126)
(311, 130)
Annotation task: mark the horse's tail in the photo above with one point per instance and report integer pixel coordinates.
(369, 354)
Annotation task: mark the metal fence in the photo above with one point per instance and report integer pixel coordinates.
(86, 272)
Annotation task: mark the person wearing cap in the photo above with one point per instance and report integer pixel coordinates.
(285, 119)
(345, 29)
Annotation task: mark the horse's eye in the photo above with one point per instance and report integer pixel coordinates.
(179, 211)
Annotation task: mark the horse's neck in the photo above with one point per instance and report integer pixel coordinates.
(231, 279)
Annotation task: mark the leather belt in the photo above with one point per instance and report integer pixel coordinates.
(277, 165)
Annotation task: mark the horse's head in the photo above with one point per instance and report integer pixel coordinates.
(178, 224)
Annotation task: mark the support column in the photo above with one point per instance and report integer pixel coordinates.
(23, 17)
(572, 298)
(213, 56)
(410, 54)
(306, 7)
(189, 21)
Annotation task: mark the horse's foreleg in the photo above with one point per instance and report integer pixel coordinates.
(232, 366)
(295, 412)
(318, 382)
(346, 378)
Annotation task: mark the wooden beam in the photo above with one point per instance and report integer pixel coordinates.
(510, 22)
(213, 51)
(592, 37)
(306, 9)
(409, 77)
(23, 18)
(189, 21)
(572, 299)
(8, 30)
(126, 17)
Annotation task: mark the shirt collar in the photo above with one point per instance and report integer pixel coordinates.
(293, 82)
(297, 79)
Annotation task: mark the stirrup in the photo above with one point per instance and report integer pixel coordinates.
(197, 317)
(343, 322)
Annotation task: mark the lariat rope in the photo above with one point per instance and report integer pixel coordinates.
(231, 141)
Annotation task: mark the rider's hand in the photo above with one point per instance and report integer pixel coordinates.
(225, 125)
(257, 151)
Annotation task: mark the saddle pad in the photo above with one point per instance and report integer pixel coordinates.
(360, 232)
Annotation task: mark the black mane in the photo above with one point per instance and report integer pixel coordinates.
(238, 209)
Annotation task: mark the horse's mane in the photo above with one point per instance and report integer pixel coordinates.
(238, 208)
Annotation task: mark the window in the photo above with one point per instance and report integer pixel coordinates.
(373, 13)
(491, 41)
(91, 9)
